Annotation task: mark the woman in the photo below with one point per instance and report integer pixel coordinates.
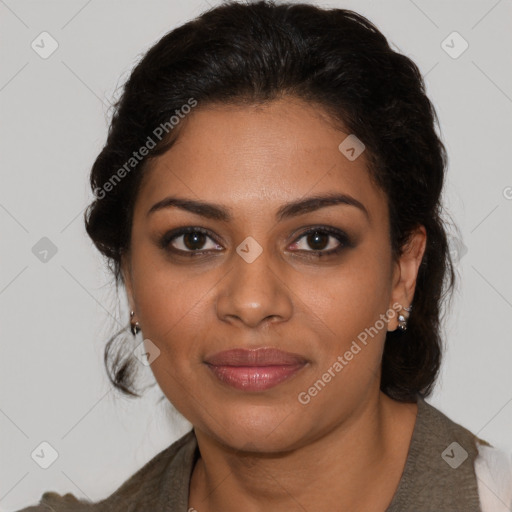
(269, 197)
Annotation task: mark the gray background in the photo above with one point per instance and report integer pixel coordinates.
(57, 315)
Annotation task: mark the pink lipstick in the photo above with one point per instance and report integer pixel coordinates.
(254, 370)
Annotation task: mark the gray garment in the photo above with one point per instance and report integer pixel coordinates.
(436, 478)
(430, 481)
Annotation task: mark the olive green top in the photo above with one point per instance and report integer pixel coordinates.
(438, 476)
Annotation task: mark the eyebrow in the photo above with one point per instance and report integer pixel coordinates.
(288, 210)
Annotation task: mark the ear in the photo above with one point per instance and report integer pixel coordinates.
(127, 279)
(405, 274)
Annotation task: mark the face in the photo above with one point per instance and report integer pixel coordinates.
(256, 271)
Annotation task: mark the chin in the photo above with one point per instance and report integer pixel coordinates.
(257, 429)
(259, 442)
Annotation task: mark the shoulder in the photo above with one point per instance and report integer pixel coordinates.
(51, 501)
(145, 483)
(443, 445)
(493, 468)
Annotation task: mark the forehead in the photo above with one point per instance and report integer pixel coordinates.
(251, 158)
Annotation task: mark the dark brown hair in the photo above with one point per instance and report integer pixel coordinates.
(253, 53)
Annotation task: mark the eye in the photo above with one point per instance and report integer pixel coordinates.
(323, 241)
(192, 241)
(188, 240)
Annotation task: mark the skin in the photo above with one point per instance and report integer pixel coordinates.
(346, 448)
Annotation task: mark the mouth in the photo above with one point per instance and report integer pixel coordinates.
(254, 378)
(254, 370)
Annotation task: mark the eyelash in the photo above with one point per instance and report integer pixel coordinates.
(345, 242)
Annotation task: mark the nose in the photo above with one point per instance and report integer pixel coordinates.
(253, 294)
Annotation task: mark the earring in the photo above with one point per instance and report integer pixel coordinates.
(134, 326)
(402, 320)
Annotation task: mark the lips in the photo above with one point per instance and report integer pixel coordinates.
(255, 357)
(254, 370)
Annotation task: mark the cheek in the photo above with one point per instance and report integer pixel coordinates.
(350, 297)
(175, 316)
(347, 309)
(167, 296)
(166, 304)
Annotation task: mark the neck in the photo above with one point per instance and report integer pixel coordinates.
(355, 466)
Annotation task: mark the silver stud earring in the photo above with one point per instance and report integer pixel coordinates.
(402, 320)
(134, 326)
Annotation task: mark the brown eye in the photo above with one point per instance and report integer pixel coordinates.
(318, 240)
(188, 240)
(194, 241)
(322, 241)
